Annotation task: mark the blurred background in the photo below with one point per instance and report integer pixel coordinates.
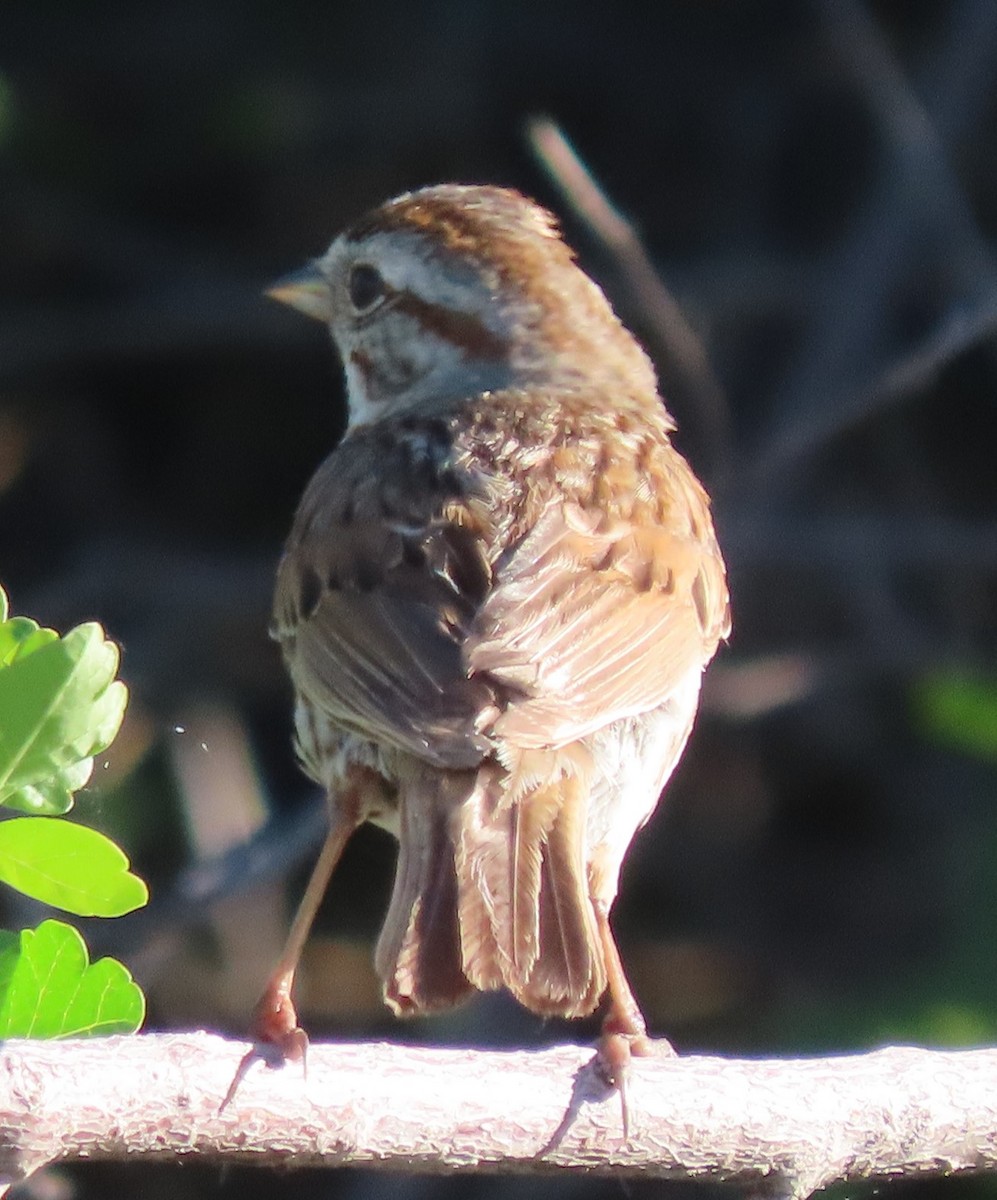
(816, 185)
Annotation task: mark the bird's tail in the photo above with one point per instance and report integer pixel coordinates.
(525, 915)
(418, 954)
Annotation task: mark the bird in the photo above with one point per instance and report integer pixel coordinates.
(496, 604)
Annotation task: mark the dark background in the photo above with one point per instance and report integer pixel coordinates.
(817, 185)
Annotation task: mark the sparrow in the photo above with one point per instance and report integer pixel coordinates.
(496, 604)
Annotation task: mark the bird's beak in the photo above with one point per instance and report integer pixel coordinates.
(306, 290)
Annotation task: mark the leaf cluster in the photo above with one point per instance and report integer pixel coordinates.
(61, 704)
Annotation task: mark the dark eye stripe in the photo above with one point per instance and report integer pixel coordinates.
(463, 330)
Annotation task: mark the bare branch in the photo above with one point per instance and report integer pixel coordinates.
(781, 1127)
(915, 189)
(797, 443)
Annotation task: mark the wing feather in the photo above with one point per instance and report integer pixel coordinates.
(604, 621)
(407, 617)
(375, 597)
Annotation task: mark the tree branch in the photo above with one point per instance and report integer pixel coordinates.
(780, 1127)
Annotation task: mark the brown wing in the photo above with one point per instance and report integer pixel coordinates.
(395, 623)
(375, 597)
(595, 619)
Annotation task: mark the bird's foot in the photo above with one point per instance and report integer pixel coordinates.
(277, 1036)
(275, 1024)
(624, 1037)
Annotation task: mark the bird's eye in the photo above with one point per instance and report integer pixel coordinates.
(366, 287)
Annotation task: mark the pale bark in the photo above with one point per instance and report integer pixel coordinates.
(778, 1126)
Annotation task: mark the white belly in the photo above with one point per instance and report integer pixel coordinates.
(635, 757)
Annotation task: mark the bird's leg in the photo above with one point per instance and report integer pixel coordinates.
(624, 1032)
(275, 1020)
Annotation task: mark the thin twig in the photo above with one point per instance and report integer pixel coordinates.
(914, 200)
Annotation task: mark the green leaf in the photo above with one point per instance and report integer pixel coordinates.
(60, 704)
(960, 711)
(49, 988)
(68, 866)
(20, 636)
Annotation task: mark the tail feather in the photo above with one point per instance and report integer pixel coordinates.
(482, 874)
(531, 819)
(570, 975)
(525, 915)
(418, 954)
